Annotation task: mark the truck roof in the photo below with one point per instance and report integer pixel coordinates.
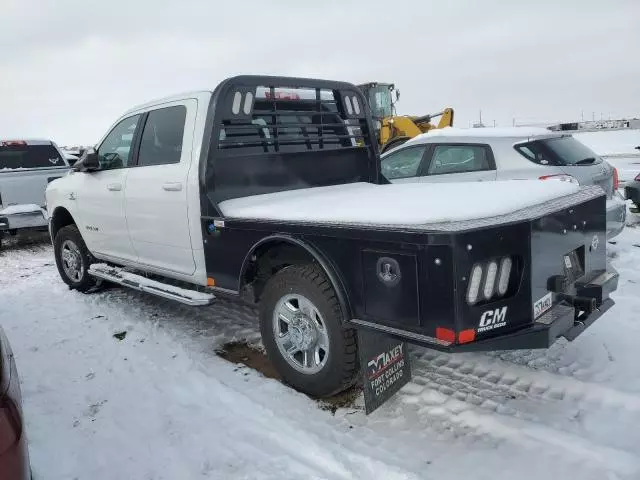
(171, 98)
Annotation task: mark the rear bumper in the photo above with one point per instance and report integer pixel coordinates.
(16, 221)
(616, 216)
(563, 320)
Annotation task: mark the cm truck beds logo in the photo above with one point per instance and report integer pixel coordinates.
(493, 319)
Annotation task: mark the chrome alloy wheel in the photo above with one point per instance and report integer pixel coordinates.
(300, 334)
(72, 261)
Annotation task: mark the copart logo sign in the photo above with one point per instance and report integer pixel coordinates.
(493, 319)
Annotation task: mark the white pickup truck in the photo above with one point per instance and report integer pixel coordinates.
(26, 167)
(259, 194)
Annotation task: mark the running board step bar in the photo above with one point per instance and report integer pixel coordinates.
(144, 284)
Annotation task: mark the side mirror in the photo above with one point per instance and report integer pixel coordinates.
(90, 162)
(397, 95)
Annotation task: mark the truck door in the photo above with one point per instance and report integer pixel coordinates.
(100, 195)
(459, 163)
(156, 193)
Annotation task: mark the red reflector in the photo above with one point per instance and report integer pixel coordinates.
(616, 179)
(467, 336)
(445, 335)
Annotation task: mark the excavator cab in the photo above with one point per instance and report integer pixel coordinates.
(392, 129)
(380, 98)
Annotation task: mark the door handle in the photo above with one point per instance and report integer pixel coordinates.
(114, 187)
(172, 186)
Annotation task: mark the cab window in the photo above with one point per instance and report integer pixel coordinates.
(162, 136)
(116, 149)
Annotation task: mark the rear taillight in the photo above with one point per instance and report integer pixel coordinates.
(491, 278)
(616, 179)
(13, 143)
(561, 177)
(637, 179)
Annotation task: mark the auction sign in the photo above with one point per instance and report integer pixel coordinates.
(385, 362)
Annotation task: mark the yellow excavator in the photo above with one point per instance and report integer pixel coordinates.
(393, 129)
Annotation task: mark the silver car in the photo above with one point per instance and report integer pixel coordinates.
(484, 154)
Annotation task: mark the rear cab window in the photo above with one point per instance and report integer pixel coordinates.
(558, 151)
(162, 136)
(23, 154)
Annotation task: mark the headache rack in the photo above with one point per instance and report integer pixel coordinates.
(281, 121)
(271, 134)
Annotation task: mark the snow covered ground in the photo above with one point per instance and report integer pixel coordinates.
(619, 149)
(160, 404)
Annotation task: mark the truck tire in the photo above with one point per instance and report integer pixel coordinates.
(302, 329)
(73, 259)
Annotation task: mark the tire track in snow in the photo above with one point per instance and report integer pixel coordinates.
(537, 409)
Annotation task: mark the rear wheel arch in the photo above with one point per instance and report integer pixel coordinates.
(275, 252)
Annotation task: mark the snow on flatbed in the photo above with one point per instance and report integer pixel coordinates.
(161, 405)
(398, 204)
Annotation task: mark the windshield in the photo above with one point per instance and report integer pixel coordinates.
(29, 156)
(380, 102)
(558, 151)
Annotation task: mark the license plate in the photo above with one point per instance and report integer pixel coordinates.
(542, 305)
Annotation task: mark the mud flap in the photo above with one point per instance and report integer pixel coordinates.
(385, 365)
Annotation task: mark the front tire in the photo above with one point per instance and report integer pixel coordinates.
(303, 333)
(73, 259)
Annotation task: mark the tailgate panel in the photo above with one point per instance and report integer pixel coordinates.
(580, 229)
(20, 187)
(569, 244)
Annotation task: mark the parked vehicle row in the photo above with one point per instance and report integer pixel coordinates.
(280, 200)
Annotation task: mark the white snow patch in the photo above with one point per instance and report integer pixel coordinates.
(489, 132)
(25, 208)
(616, 142)
(397, 204)
(433, 397)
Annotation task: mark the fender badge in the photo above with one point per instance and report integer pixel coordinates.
(595, 241)
(388, 271)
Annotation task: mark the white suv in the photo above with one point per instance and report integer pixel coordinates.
(484, 154)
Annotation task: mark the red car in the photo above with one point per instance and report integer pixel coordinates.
(14, 456)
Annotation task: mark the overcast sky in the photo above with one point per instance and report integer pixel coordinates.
(70, 68)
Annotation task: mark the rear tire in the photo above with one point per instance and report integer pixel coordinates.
(73, 259)
(327, 360)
